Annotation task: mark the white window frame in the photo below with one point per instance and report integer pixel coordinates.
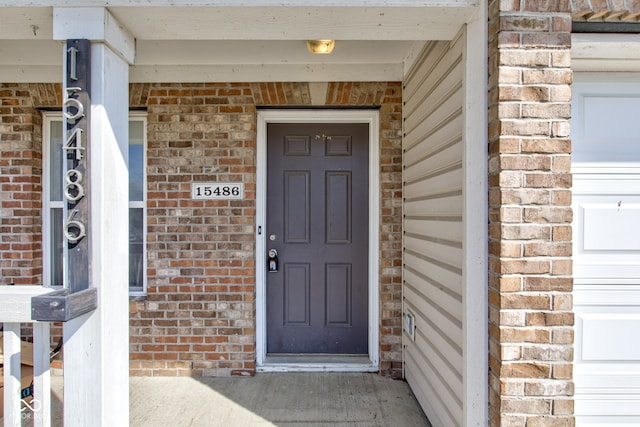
(47, 204)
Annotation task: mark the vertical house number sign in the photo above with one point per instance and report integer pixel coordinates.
(76, 107)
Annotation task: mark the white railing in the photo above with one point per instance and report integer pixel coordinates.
(15, 308)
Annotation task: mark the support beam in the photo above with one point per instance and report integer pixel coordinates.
(96, 348)
(96, 24)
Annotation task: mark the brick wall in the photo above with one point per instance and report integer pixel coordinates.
(21, 254)
(531, 320)
(199, 315)
(20, 185)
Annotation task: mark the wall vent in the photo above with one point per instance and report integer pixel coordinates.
(410, 325)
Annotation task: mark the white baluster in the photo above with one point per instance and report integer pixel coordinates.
(12, 415)
(41, 375)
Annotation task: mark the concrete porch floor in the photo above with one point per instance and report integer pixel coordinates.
(268, 399)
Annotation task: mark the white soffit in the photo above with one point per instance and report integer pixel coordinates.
(270, 60)
(605, 52)
(212, 41)
(295, 23)
(425, 21)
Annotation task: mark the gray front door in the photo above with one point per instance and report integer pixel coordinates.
(317, 221)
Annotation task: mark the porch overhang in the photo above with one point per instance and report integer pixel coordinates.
(232, 41)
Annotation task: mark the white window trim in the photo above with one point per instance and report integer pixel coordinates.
(142, 116)
(47, 204)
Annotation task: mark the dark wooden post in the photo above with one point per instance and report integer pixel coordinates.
(77, 297)
(76, 179)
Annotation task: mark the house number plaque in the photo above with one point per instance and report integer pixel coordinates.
(76, 107)
(217, 190)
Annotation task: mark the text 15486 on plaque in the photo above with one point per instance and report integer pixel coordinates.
(217, 190)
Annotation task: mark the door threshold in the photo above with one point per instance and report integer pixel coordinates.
(317, 363)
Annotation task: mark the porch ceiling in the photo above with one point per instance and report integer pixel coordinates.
(374, 39)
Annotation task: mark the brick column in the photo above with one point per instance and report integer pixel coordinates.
(530, 284)
(391, 232)
(20, 187)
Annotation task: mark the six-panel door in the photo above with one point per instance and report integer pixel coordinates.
(317, 221)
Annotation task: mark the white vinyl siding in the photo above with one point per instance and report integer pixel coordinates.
(433, 230)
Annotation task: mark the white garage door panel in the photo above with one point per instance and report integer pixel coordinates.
(607, 359)
(613, 407)
(594, 272)
(605, 336)
(606, 248)
(618, 112)
(606, 233)
(598, 380)
(606, 125)
(606, 179)
(605, 295)
(612, 226)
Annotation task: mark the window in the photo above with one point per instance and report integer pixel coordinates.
(53, 201)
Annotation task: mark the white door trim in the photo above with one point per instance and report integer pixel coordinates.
(319, 116)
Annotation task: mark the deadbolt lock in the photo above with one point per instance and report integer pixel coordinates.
(272, 261)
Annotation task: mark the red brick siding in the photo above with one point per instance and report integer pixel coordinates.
(20, 186)
(199, 316)
(530, 284)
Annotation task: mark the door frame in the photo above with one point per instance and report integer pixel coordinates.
(371, 117)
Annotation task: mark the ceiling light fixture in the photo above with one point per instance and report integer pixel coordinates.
(320, 46)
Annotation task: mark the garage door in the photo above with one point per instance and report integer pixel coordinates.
(606, 235)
